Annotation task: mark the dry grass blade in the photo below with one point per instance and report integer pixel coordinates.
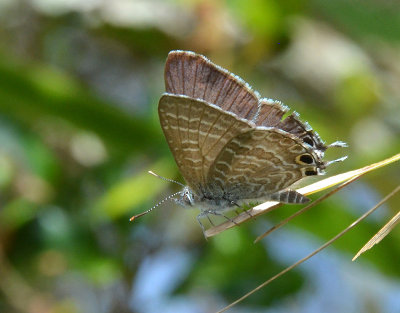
(365, 215)
(382, 233)
(307, 190)
(306, 208)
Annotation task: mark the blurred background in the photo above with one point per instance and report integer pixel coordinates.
(79, 87)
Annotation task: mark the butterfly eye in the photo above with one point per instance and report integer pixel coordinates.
(304, 159)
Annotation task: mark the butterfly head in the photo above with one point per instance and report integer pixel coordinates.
(186, 197)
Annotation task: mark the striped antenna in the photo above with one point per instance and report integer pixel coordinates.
(166, 179)
(151, 209)
(162, 201)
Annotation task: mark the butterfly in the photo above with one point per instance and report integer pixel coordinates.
(230, 145)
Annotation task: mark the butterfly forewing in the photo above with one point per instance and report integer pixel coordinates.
(196, 133)
(193, 75)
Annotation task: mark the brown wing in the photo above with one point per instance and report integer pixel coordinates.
(193, 75)
(260, 162)
(196, 133)
(270, 115)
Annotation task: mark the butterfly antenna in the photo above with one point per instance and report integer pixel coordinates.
(152, 208)
(166, 179)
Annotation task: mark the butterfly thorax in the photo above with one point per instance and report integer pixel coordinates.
(206, 201)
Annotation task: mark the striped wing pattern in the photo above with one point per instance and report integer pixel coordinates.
(196, 133)
(259, 162)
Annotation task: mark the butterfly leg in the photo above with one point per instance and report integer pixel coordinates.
(209, 219)
(243, 209)
(223, 215)
(248, 213)
(289, 196)
(201, 224)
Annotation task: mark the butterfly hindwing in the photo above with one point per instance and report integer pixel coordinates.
(260, 162)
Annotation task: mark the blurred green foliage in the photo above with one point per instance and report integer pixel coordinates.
(79, 86)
